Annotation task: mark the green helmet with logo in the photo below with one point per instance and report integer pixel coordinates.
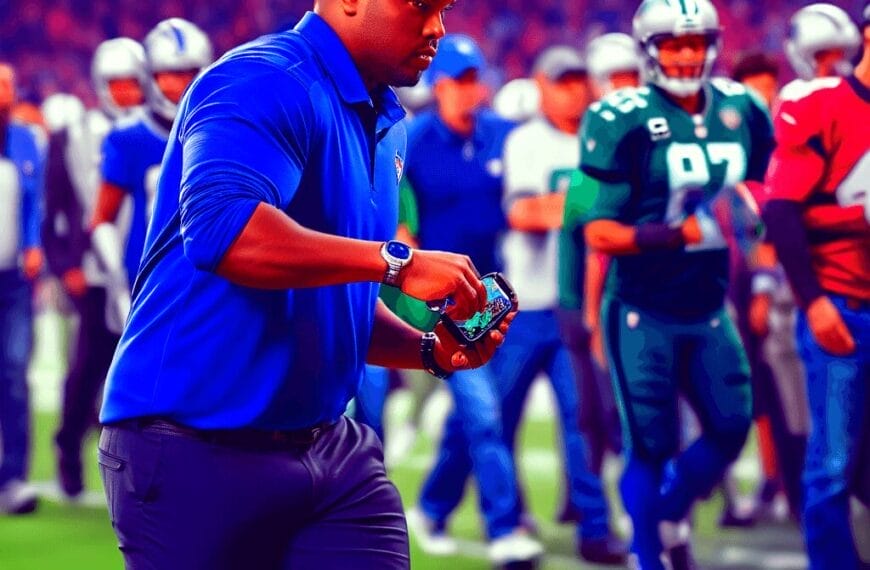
(656, 20)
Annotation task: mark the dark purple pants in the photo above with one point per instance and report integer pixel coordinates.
(180, 501)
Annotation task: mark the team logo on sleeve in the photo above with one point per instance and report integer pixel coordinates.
(400, 167)
(730, 118)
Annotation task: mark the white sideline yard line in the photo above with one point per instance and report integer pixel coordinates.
(739, 557)
(478, 551)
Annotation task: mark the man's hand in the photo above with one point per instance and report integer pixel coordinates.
(74, 282)
(828, 327)
(452, 356)
(437, 275)
(32, 262)
(759, 312)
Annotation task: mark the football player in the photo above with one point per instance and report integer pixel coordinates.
(817, 187)
(541, 160)
(176, 51)
(613, 62)
(822, 41)
(72, 181)
(666, 157)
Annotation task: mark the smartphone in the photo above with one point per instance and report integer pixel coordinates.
(500, 300)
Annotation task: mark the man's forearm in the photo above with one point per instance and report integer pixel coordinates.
(395, 343)
(788, 235)
(275, 252)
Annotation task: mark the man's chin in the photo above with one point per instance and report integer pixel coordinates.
(407, 78)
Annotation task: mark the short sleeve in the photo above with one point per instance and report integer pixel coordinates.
(602, 138)
(115, 166)
(522, 176)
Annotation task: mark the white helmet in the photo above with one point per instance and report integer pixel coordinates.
(118, 58)
(819, 27)
(518, 100)
(61, 110)
(660, 19)
(609, 54)
(173, 45)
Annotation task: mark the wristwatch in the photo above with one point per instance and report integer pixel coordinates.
(397, 255)
(427, 356)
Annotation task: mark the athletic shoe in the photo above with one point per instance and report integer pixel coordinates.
(431, 537)
(518, 546)
(17, 498)
(608, 550)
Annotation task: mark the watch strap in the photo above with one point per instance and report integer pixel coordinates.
(427, 356)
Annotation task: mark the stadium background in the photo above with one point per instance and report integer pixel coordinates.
(50, 43)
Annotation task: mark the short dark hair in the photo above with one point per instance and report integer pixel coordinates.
(754, 63)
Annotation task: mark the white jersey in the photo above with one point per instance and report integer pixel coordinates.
(538, 159)
(83, 157)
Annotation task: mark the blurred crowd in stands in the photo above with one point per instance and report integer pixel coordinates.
(50, 42)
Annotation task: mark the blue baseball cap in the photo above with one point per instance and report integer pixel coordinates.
(457, 53)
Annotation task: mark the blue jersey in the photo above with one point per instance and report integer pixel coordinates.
(458, 186)
(22, 168)
(132, 152)
(285, 121)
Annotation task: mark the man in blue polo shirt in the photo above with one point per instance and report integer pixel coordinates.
(455, 170)
(21, 260)
(255, 307)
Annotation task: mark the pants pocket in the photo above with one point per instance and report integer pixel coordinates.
(111, 468)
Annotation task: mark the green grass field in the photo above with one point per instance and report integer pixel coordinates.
(79, 537)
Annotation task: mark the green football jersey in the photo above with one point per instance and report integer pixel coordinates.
(656, 162)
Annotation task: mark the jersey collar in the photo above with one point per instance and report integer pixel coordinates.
(862, 90)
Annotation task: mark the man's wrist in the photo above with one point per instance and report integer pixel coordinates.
(658, 237)
(427, 356)
(397, 256)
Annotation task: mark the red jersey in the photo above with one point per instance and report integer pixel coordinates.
(822, 161)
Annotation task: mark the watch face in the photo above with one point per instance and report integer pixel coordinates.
(398, 250)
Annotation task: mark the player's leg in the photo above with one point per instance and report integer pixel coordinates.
(641, 358)
(595, 542)
(444, 487)
(587, 495)
(357, 520)
(836, 388)
(16, 341)
(592, 412)
(95, 346)
(475, 441)
(515, 366)
(718, 387)
(790, 421)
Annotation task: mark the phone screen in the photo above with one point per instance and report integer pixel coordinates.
(498, 303)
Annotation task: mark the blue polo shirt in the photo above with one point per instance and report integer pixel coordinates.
(132, 153)
(457, 182)
(285, 120)
(22, 181)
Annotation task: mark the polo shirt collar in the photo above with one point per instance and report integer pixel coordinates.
(342, 70)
